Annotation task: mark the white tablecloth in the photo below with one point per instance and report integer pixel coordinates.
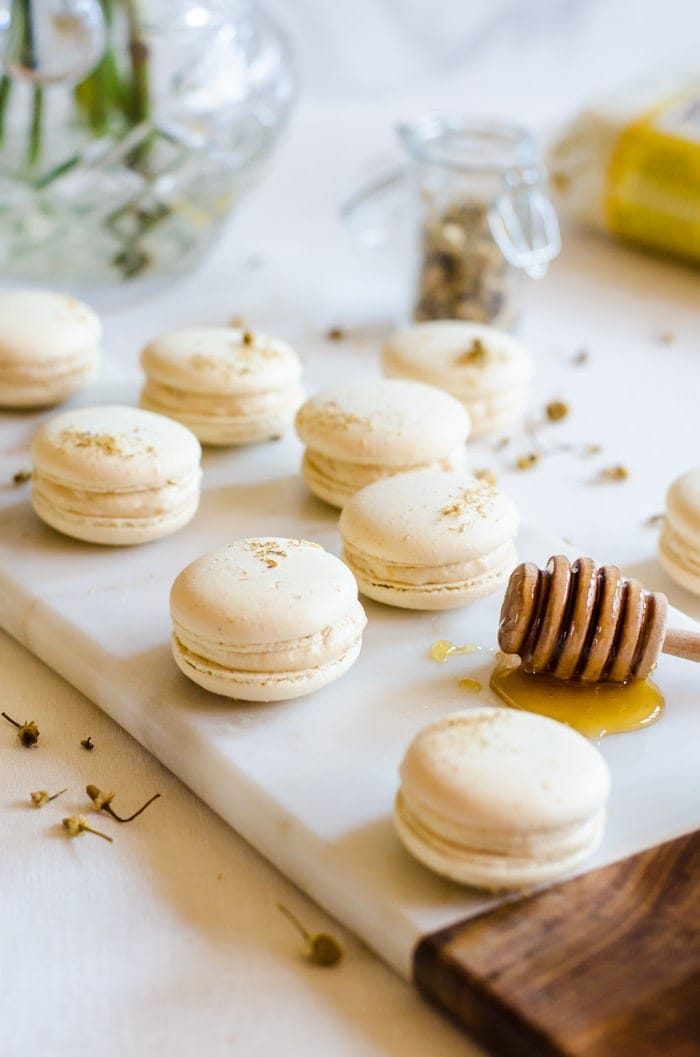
(169, 940)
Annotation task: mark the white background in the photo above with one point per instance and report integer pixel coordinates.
(169, 941)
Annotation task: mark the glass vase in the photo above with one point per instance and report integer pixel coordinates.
(129, 130)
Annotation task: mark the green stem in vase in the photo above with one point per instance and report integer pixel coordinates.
(101, 96)
(138, 102)
(34, 148)
(5, 87)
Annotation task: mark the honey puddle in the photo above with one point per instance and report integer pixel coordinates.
(594, 710)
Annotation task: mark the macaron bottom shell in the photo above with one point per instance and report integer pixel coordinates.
(260, 686)
(496, 871)
(220, 428)
(37, 386)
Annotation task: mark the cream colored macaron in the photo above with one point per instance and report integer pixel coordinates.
(358, 433)
(485, 368)
(429, 540)
(115, 475)
(49, 347)
(266, 619)
(501, 799)
(679, 543)
(228, 385)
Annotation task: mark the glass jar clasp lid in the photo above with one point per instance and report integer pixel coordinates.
(523, 221)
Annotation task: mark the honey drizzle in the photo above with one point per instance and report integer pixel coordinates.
(593, 709)
(442, 649)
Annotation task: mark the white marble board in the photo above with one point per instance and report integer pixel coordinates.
(310, 782)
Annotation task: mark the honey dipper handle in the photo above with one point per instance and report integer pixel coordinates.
(682, 644)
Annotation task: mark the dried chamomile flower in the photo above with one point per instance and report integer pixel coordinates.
(477, 353)
(21, 477)
(322, 948)
(556, 410)
(41, 797)
(99, 798)
(27, 732)
(614, 473)
(77, 824)
(526, 462)
(103, 802)
(88, 743)
(248, 337)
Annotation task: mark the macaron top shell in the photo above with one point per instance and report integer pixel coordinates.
(502, 770)
(220, 360)
(468, 359)
(114, 448)
(263, 590)
(683, 504)
(428, 518)
(37, 326)
(383, 422)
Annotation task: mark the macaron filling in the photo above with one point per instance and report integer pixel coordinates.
(167, 398)
(337, 475)
(324, 646)
(457, 575)
(555, 842)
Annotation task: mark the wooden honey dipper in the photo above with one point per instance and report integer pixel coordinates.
(577, 621)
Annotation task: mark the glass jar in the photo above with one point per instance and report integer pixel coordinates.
(129, 129)
(478, 218)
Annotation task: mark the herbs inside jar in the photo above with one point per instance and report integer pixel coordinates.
(482, 219)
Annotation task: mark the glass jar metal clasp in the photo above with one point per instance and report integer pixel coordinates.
(523, 221)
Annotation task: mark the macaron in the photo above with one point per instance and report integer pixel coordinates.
(485, 368)
(501, 799)
(429, 540)
(49, 347)
(115, 475)
(226, 384)
(358, 433)
(265, 619)
(679, 543)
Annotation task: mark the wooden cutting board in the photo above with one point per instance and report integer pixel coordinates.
(606, 965)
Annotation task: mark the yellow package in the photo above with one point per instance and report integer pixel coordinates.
(631, 165)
